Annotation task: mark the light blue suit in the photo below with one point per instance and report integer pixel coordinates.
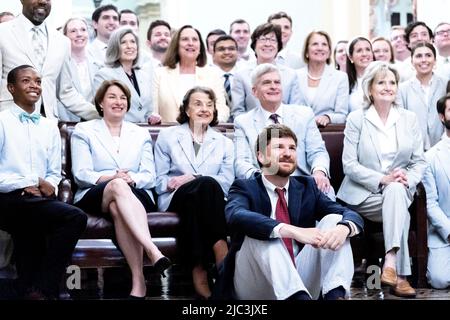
(243, 98)
(331, 97)
(94, 154)
(412, 97)
(311, 151)
(64, 113)
(437, 186)
(141, 106)
(175, 156)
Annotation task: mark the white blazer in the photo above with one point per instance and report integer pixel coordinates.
(412, 97)
(175, 156)
(63, 112)
(94, 154)
(437, 186)
(16, 49)
(331, 96)
(311, 151)
(141, 105)
(167, 98)
(361, 155)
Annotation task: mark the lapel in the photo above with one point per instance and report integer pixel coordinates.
(303, 83)
(184, 139)
(295, 199)
(209, 144)
(418, 90)
(105, 139)
(265, 206)
(74, 74)
(373, 135)
(173, 77)
(19, 32)
(324, 83)
(443, 155)
(402, 140)
(121, 75)
(126, 143)
(258, 121)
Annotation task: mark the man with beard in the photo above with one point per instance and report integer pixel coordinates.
(158, 40)
(29, 40)
(437, 186)
(312, 156)
(278, 251)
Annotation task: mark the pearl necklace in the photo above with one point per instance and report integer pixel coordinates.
(314, 78)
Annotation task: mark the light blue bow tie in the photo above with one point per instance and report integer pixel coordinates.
(24, 116)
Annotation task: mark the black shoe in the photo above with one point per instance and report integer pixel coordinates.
(131, 297)
(335, 294)
(299, 295)
(161, 265)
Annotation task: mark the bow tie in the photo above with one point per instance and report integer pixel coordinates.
(24, 116)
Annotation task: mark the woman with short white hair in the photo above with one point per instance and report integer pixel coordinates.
(383, 162)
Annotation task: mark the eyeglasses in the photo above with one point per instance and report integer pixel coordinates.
(271, 40)
(442, 32)
(223, 49)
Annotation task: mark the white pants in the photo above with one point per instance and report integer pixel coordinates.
(391, 208)
(264, 269)
(438, 269)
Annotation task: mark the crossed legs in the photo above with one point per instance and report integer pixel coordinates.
(131, 228)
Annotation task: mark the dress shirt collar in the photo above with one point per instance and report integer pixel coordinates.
(270, 187)
(16, 111)
(267, 114)
(100, 44)
(374, 118)
(29, 25)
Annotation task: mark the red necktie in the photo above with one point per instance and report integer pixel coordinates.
(282, 215)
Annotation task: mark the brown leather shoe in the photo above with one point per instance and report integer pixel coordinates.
(404, 289)
(389, 277)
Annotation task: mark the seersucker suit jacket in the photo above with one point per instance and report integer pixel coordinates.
(94, 153)
(16, 49)
(361, 155)
(141, 105)
(331, 97)
(175, 156)
(243, 98)
(311, 151)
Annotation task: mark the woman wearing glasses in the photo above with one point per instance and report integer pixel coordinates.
(266, 42)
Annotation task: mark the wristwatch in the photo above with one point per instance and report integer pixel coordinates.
(347, 224)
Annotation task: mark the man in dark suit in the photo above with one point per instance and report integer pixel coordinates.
(279, 249)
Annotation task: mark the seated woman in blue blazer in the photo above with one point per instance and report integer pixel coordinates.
(194, 166)
(113, 166)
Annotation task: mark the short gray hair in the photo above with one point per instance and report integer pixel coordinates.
(371, 72)
(261, 70)
(112, 58)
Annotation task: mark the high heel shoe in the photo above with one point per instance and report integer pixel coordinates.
(161, 265)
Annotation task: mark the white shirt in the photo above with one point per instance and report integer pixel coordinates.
(29, 26)
(28, 151)
(356, 98)
(387, 137)
(289, 59)
(443, 67)
(85, 78)
(273, 197)
(187, 81)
